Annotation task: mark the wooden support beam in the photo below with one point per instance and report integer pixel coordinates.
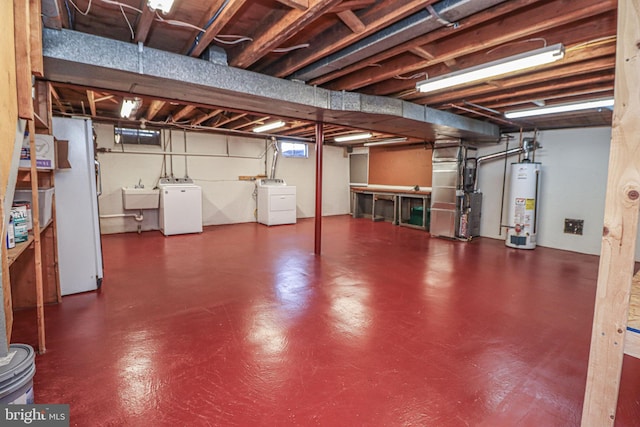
(296, 4)
(6, 279)
(229, 120)
(154, 108)
(259, 121)
(144, 24)
(92, 102)
(105, 98)
(205, 117)
(502, 9)
(351, 5)
(35, 38)
(375, 18)
(42, 348)
(185, 111)
(352, 21)
(56, 99)
(552, 17)
(422, 53)
(271, 35)
(620, 228)
(223, 18)
(23, 58)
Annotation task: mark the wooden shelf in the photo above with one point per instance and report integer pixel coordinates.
(14, 253)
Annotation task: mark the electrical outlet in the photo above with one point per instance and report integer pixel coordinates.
(573, 226)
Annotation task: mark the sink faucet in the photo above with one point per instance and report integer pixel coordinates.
(139, 184)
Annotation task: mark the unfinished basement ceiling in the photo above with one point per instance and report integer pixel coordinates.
(380, 48)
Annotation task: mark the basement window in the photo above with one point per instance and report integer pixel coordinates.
(294, 149)
(127, 135)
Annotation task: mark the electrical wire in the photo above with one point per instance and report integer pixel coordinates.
(291, 48)
(133, 34)
(177, 23)
(86, 12)
(238, 39)
(412, 77)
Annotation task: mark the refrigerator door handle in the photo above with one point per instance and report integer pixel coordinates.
(99, 174)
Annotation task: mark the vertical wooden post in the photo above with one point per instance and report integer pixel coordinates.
(36, 239)
(620, 228)
(6, 281)
(318, 219)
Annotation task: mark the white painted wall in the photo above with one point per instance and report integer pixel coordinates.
(573, 185)
(226, 199)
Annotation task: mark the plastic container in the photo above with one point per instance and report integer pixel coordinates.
(416, 216)
(16, 377)
(45, 202)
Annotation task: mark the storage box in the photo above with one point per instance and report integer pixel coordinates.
(45, 152)
(45, 201)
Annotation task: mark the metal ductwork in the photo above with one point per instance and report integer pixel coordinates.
(93, 61)
(402, 31)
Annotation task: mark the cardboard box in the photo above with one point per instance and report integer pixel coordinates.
(45, 152)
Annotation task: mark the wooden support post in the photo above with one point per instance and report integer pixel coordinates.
(318, 219)
(6, 281)
(620, 228)
(23, 59)
(36, 239)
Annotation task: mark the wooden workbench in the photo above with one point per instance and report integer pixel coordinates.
(394, 205)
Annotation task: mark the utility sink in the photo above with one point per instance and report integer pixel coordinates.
(140, 198)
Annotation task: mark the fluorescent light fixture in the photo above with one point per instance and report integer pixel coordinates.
(519, 62)
(128, 107)
(269, 126)
(564, 108)
(352, 137)
(163, 5)
(385, 142)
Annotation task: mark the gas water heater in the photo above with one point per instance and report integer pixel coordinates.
(523, 205)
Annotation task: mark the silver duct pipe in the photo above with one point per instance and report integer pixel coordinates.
(274, 162)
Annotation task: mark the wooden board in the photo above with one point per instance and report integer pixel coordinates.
(23, 59)
(8, 101)
(622, 204)
(632, 340)
(406, 166)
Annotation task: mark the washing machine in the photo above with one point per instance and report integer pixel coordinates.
(180, 206)
(276, 202)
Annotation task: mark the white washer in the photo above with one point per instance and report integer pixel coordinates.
(180, 206)
(276, 202)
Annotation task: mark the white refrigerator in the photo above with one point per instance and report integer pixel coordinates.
(77, 217)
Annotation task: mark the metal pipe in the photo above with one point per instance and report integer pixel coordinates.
(168, 153)
(274, 162)
(186, 166)
(504, 181)
(138, 217)
(318, 218)
(500, 154)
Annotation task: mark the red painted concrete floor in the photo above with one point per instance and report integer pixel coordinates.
(243, 326)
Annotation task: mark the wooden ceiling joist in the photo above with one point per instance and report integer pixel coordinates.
(518, 25)
(272, 34)
(225, 15)
(375, 19)
(296, 4)
(144, 24)
(92, 102)
(183, 112)
(153, 109)
(199, 120)
(352, 21)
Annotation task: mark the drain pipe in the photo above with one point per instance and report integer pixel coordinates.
(138, 217)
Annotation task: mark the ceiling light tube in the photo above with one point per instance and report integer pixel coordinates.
(385, 142)
(352, 137)
(163, 5)
(127, 108)
(269, 126)
(511, 64)
(563, 108)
